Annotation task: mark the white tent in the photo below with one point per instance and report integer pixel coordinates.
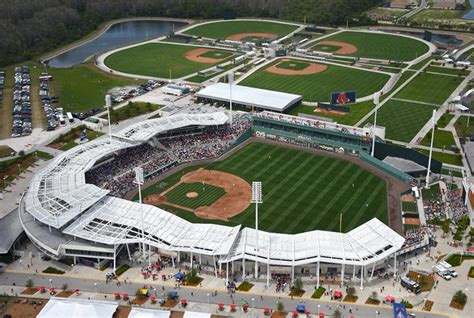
(192, 314)
(461, 107)
(148, 313)
(77, 308)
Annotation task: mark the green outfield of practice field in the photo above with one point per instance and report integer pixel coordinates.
(402, 120)
(224, 29)
(326, 48)
(448, 70)
(381, 46)
(301, 191)
(206, 195)
(318, 86)
(217, 54)
(442, 139)
(156, 59)
(430, 88)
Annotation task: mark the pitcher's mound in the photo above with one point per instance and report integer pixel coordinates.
(191, 194)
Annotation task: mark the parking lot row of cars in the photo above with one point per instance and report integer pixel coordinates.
(134, 92)
(22, 102)
(47, 102)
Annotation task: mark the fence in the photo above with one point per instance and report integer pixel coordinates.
(386, 168)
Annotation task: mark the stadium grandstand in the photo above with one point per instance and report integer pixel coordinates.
(65, 214)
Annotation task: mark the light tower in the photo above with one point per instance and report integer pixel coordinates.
(139, 180)
(108, 105)
(257, 199)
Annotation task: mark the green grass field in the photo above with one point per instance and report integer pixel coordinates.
(84, 86)
(157, 59)
(326, 48)
(224, 29)
(444, 120)
(464, 128)
(447, 70)
(444, 157)
(381, 46)
(442, 139)
(301, 191)
(402, 120)
(318, 86)
(207, 195)
(358, 111)
(430, 88)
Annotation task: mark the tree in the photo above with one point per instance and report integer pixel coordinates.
(445, 226)
(298, 284)
(351, 291)
(337, 314)
(374, 295)
(460, 297)
(280, 306)
(64, 287)
(29, 283)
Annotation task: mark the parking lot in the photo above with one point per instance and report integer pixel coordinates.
(21, 114)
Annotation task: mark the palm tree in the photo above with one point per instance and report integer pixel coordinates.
(337, 314)
(460, 297)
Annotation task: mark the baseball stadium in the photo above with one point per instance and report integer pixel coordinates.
(272, 187)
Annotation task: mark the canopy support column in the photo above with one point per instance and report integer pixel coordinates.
(226, 274)
(342, 274)
(373, 270)
(200, 259)
(115, 257)
(243, 269)
(233, 269)
(179, 257)
(214, 264)
(128, 252)
(191, 260)
(220, 268)
(172, 262)
(395, 264)
(317, 273)
(361, 277)
(354, 273)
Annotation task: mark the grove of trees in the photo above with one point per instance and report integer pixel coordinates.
(31, 27)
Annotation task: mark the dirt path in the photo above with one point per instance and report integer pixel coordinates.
(345, 48)
(240, 36)
(37, 114)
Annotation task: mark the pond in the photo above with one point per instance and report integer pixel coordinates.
(470, 14)
(117, 35)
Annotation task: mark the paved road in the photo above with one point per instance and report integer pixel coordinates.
(411, 13)
(201, 295)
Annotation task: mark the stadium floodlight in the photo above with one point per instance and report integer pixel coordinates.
(108, 105)
(230, 78)
(431, 150)
(139, 180)
(376, 103)
(257, 199)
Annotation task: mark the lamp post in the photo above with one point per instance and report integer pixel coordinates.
(21, 265)
(108, 105)
(95, 287)
(319, 308)
(72, 266)
(257, 199)
(253, 302)
(208, 300)
(139, 180)
(51, 283)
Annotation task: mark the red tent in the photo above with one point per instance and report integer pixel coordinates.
(42, 289)
(232, 307)
(153, 299)
(390, 298)
(184, 301)
(266, 310)
(321, 315)
(337, 294)
(163, 276)
(220, 306)
(125, 296)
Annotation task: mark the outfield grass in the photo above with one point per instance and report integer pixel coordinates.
(419, 65)
(444, 157)
(448, 70)
(83, 87)
(358, 111)
(207, 195)
(430, 88)
(318, 86)
(301, 191)
(224, 29)
(462, 128)
(157, 59)
(442, 139)
(444, 120)
(402, 120)
(381, 46)
(405, 76)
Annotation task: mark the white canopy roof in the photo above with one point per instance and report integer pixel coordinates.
(193, 314)
(146, 129)
(148, 313)
(56, 308)
(261, 98)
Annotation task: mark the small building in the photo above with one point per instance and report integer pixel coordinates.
(176, 90)
(402, 4)
(248, 97)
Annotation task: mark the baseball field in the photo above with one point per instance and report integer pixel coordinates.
(302, 191)
(315, 81)
(242, 29)
(373, 45)
(157, 59)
